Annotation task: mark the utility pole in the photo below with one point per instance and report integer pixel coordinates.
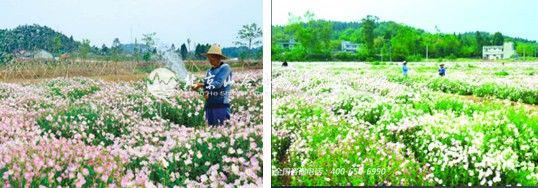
(390, 53)
(426, 52)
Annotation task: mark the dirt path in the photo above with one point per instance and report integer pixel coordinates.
(477, 99)
(482, 99)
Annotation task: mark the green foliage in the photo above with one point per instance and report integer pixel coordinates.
(149, 39)
(382, 40)
(211, 150)
(147, 56)
(84, 48)
(146, 67)
(526, 49)
(449, 86)
(78, 93)
(35, 37)
(74, 94)
(501, 73)
(182, 113)
(367, 32)
(498, 39)
(500, 91)
(67, 124)
(183, 51)
(5, 57)
(250, 35)
(58, 44)
(200, 50)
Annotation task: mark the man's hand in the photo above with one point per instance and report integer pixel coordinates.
(197, 86)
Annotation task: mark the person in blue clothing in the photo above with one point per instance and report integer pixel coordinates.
(404, 68)
(442, 70)
(217, 86)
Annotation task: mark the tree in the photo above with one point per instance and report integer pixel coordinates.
(498, 39)
(104, 50)
(379, 45)
(58, 44)
(313, 36)
(526, 49)
(85, 48)
(189, 45)
(149, 41)
(250, 34)
(200, 50)
(479, 44)
(116, 44)
(368, 26)
(183, 51)
(115, 49)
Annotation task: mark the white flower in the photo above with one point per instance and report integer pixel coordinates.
(235, 169)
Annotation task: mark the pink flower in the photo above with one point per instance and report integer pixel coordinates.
(99, 169)
(85, 171)
(125, 182)
(80, 181)
(28, 176)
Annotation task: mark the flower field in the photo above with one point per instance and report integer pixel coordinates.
(81, 132)
(365, 124)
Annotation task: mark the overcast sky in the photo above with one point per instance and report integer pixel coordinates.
(518, 18)
(100, 21)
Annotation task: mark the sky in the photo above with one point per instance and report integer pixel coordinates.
(516, 18)
(100, 21)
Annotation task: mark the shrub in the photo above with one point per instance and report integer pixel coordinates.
(87, 123)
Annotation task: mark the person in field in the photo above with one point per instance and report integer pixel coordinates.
(405, 69)
(442, 70)
(216, 86)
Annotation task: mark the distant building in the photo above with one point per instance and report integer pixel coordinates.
(498, 52)
(132, 48)
(24, 55)
(288, 44)
(28, 55)
(42, 54)
(347, 46)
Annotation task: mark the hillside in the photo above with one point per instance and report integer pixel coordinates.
(33, 37)
(382, 40)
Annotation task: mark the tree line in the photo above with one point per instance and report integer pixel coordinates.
(35, 37)
(380, 41)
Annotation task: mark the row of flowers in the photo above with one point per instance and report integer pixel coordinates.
(355, 119)
(83, 132)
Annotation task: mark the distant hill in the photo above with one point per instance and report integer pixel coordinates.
(382, 40)
(339, 28)
(130, 48)
(235, 52)
(34, 37)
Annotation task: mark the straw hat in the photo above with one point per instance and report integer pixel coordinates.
(215, 50)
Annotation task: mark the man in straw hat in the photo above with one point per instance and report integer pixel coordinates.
(216, 85)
